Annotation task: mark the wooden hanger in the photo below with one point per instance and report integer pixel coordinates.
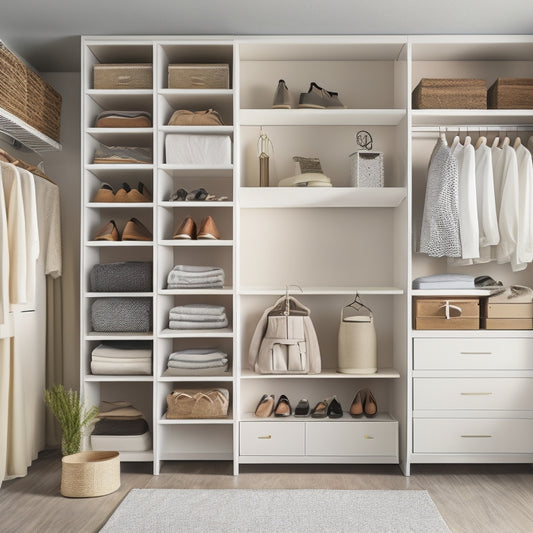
(8, 158)
(481, 140)
(517, 143)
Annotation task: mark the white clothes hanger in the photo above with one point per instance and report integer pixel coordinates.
(468, 140)
(481, 140)
(495, 142)
(517, 143)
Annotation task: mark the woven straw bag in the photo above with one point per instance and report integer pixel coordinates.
(198, 403)
(89, 474)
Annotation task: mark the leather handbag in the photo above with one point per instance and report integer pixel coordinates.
(183, 117)
(198, 403)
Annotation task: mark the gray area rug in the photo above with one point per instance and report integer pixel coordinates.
(276, 511)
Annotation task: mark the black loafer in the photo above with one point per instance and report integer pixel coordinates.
(302, 409)
(283, 407)
(334, 409)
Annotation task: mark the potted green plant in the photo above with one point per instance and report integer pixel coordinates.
(72, 415)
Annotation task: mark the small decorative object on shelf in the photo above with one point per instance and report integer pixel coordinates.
(264, 148)
(366, 165)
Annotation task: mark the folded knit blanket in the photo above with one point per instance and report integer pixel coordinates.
(211, 371)
(190, 273)
(198, 309)
(197, 318)
(126, 349)
(185, 324)
(118, 410)
(197, 354)
(207, 285)
(121, 369)
(207, 364)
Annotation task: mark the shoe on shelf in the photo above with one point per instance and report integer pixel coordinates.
(370, 405)
(318, 98)
(121, 196)
(334, 408)
(108, 233)
(135, 230)
(208, 229)
(320, 410)
(140, 194)
(215, 198)
(186, 230)
(281, 96)
(265, 406)
(283, 407)
(302, 409)
(198, 195)
(356, 409)
(104, 194)
(178, 196)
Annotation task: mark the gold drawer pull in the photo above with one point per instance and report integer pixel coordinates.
(475, 353)
(368, 437)
(476, 436)
(476, 393)
(265, 437)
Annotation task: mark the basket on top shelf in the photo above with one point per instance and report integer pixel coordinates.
(511, 93)
(444, 93)
(26, 95)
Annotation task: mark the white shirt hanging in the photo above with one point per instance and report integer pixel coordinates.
(525, 203)
(440, 223)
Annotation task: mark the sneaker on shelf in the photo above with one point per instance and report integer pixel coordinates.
(281, 97)
(318, 98)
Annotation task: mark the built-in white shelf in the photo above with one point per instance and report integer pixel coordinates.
(168, 333)
(113, 98)
(458, 117)
(473, 374)
(119, 294)
(128, 457)
(196, 242)
(380, 417)
(122, 244)
(382, 373)
(219, 130)
(119, 205)
(321, 117)
(185, 204)
(173, 379)
(27, 135)
(196, 421)
(294, 197)
(186, 292)
(118, 336)
(124, 378)
(213, 171)
(118, 167)
(320, 291)
(464, 293)
(177, 98)
(473, 333)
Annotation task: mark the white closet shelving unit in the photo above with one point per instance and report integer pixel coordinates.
(330, 242)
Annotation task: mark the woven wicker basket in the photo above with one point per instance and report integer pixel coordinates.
(511, 93)
(443, 93)
(88, 474)
(24, 94)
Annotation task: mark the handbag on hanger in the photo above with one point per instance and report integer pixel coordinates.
(357, 341)
(285, 341)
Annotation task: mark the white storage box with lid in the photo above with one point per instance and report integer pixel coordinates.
(193, 149)
(366, 168)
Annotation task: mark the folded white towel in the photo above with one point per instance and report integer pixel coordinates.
(197, 355)
(207, 364)
(198, 309)
(127, 349)
(211, 371)
(206, 285)
(122, 360)
(184, 324)
(98, 367)
(198, 318)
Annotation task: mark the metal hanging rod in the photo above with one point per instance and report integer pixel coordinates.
(473, 128)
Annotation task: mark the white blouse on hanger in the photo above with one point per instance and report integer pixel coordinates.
(4, 260)
(525, 203)
(440, 223)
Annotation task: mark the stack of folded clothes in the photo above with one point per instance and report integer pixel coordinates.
(198, 316)
(121, 427)
(195, 277)
(122, 155)
(118, 358)
(197, 362)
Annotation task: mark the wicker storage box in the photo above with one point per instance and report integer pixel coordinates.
(446, 313)
(444, 93)
(198, 76)
(26, 95)
(88, 474)
(123, 76)
(511, 93)
(198, 403)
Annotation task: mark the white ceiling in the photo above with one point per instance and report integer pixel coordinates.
(46, 32)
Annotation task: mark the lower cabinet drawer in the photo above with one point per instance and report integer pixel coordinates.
(473, 393)
(473, 435)
(352, 438)
(272, 438)
(473, 353)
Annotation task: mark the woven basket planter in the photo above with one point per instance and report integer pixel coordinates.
(444, 93)
(511, 93)
(88, 474)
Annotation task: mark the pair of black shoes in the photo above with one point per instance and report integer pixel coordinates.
(330, 407)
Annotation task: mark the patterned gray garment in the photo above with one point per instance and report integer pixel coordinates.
(440, 224)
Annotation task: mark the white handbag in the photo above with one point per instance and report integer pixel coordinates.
(357, 351)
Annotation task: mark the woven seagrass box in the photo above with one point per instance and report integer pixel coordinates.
(511, 93)
(449, 93)
(123, 76)
(198, 76)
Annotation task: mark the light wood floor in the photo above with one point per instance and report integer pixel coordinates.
(471, 498)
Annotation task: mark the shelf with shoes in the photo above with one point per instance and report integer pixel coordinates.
(382, 373)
